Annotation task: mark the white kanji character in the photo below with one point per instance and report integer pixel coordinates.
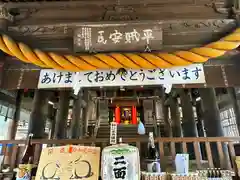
(132, 36)
(147, 35)
(115, 37)
(100, 38)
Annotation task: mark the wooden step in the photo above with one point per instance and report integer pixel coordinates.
(124, 131)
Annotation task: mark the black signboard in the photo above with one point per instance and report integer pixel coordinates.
(126, 37)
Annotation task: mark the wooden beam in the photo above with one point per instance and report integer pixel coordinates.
(181, 34)
(123, 10)
(83, 3)
(183, 26)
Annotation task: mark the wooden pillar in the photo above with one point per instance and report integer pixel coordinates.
(148, 108)
(134, 115)
(84, 122)
(13, 124)
(199, 112)
(165, 108)
(176, 121)
(90, 110)
(234, 102)
(188, 121)
(211, 113)
(159, 112)
(167, 127)
(86, 116)
(117, 115)
(212, 122)
(37, 117)
(76, 119)
(85, 113)
(175, 117)
(162, 112)
(5, 19)
(62, 114)
(200, 128)
(52, 111)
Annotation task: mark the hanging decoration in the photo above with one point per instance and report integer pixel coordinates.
(141, 128)
(119, 60)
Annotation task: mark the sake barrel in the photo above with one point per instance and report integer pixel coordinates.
(120, 161)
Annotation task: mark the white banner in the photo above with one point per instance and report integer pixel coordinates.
(180, 75)
(192, 74)
(50, 78)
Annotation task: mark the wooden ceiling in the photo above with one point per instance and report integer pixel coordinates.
(45, 12)
(49, 25)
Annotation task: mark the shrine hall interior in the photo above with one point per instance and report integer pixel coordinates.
(125, 105)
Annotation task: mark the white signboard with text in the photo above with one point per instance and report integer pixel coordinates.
(192, 74)
(50, 78)
(69, 162)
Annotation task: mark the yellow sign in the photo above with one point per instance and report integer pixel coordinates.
(69, 162)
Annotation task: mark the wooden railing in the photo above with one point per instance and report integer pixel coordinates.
(168, 147)
(96, 127)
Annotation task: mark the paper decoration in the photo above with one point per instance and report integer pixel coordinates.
(120, 162)
(168, 87)
(141, 128)
(69, 162)
(182, 164)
